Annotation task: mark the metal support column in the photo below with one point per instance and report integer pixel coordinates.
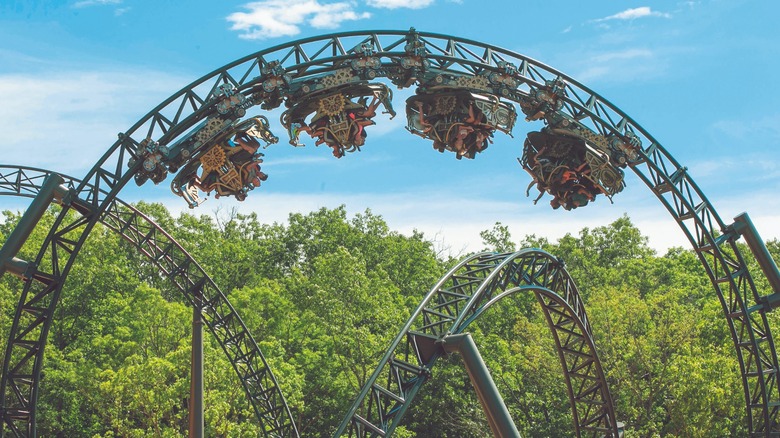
(744, 226)
(8, 261)
(492, 403)
(196, 372)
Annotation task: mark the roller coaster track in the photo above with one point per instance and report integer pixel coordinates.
(177, 266)
(711, 239)
(458, 299)
(592, 406)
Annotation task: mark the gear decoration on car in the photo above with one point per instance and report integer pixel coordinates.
(458, 120)
(229, 165)
(340, 112)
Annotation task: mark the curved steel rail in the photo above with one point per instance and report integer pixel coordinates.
(457, 300)
(670, 182)
(162, 251)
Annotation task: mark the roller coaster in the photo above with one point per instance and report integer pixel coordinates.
(332, 87)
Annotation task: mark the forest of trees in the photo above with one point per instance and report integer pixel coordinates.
(324, 294)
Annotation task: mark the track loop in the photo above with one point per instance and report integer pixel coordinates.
(456, 301)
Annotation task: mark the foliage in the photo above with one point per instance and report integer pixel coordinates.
(324, 294)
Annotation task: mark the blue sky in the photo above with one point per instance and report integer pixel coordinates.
(699, 75)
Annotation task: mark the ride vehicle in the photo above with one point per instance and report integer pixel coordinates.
(229, 165)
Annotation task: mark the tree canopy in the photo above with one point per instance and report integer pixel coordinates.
(324, 294)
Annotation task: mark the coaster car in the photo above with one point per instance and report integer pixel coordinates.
(569, 169)
(229, 163)
(339, 115)
(458, 120)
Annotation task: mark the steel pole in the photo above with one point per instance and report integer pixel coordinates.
(492, 403)
(196, 371)
(744, 226)
(49, 189)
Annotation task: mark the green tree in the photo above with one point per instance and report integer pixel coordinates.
(323, 294)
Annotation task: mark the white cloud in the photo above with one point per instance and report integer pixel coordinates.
(86, 3)
(454, 219)
(634, 13)
(395, 4)
(276, 18)
(764, 169)
(622, 55)
(764, 128)
(620, 65)
(65, 120)
(10, 57)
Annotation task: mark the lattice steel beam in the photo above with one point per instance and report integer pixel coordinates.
(163, 252)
